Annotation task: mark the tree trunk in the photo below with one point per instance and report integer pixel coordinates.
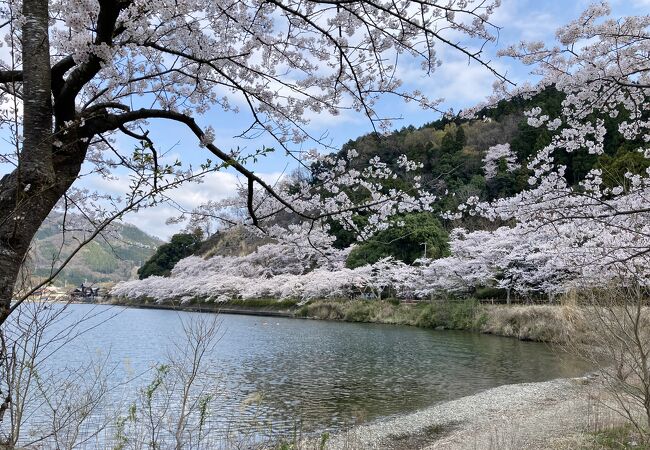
(20, 191)
(30, 192)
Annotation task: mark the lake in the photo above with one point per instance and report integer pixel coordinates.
(278, 375)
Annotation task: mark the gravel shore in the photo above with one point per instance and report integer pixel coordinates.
(547, 415)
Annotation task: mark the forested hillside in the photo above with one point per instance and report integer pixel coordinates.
(111, 257)
(455, 167)
(453, 151)
(453, 154)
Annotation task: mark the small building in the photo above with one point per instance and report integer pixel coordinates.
(84, 293)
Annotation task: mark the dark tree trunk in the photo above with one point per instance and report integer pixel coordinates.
(22, 192)
(47, 167)
(28, 194)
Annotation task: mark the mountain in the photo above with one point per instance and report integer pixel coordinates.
(452, 152)
(113, 256)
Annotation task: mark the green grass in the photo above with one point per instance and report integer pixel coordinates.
(449, 314)
(464, 314)
(624, 437)
(271, 303)
(257, 303)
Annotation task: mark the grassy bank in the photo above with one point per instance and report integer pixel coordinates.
(457, 315)
(532, 322)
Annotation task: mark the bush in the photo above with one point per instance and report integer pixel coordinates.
(536, 322)
(489, 293)
(463, 315)
(329, 310)
(454, 315)
(623, 437)
(427, 317)
(360, 311)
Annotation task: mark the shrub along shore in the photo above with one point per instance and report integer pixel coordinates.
(545, 323)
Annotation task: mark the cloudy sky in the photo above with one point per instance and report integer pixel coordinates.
(460, 83)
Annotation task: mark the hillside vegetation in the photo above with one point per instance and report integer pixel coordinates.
(109, 258)
(452, 152)
(423, 254)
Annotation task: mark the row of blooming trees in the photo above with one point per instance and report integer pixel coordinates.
(303, 269)
(562, 233)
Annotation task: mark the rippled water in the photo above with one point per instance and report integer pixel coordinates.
(322, 375)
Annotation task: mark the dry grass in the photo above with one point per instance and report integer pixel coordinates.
(547, 323)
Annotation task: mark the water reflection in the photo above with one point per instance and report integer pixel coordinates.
(327, 375)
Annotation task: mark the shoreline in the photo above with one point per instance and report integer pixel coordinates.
(555, 414)
(543, 323)
(195, 308)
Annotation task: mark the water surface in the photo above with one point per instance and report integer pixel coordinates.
(320, 375)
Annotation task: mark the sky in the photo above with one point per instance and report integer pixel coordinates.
(460, 83)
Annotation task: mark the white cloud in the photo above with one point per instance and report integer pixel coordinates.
(215, 186)
(521, 21)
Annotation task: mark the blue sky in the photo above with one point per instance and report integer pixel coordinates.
(461, 84)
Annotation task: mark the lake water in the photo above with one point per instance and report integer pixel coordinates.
(316, 375)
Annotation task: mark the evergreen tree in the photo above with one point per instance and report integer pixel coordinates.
(406, 240)
(162, 262)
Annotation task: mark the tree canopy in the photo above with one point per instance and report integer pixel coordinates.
(406, 240)
(79, 77)
(167, 255)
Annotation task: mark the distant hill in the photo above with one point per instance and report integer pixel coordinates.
(451, 151)
(114, 257)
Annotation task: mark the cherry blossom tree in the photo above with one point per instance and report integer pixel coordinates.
(76, 76)
(498, 153)
(594, 229)
(330, 194)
